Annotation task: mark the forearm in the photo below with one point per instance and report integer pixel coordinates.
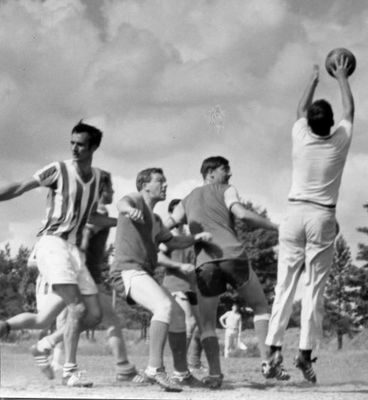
(346, 98)
(180, 242)
(307, 97)
(165, 261)
(11, 191)
(102, 220)
(255, 220)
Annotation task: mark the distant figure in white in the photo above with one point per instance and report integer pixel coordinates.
(231, 321)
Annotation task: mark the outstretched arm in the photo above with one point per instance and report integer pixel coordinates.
(16, 189)
(339, 70)
(307, 97)
(184, 241)
(252, 218)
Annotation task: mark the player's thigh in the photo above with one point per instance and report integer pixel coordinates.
(145, 291)
(182, 300)
(252, 293)
(51, 307)
(108, 313)
(93, 306)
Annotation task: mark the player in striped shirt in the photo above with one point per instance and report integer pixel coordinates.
(74, 189)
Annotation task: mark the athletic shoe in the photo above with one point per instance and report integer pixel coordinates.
(125, 372)
(199, 368)
(213, 381)
(272, 368)
(4, 329)
(162, 379)
(187, 379)
(306, 367)
(42, 360)
(76, 378)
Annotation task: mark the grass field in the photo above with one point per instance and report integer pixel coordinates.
(341, 374)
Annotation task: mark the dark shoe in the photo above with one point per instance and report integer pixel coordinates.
(187, 380)
(125, 372)
(42, 360)
(76, 378)
(306, 367)
(272, 368)
(162, 379)
(213, 381)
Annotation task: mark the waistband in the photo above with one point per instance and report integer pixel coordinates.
(329, 206)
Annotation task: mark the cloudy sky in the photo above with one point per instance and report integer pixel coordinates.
(171, 82)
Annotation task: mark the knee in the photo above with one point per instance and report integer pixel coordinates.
(94, 317)
(164, 311)
(190, 323)
(76, 311)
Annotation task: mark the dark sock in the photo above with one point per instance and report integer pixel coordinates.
(8, 327)
(178, 345)
(212, 350)
(306, 354)
(122, 362)
(273, 349)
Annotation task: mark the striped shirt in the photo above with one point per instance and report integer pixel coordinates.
(70, 201)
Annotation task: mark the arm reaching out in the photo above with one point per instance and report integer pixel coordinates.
(16, 189)
(339, 70)
(307, 97)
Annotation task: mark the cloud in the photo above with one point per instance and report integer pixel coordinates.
(150, 72)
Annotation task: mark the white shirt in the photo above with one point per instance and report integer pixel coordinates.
(318, 162)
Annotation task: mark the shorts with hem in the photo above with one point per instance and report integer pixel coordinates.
(61, 262)
(212, 277)
(121, 282)
(189, 296)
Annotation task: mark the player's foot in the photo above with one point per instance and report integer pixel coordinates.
(197, 368)
(186, 379)
(125, 372)
(272, 368)
(213, 381)
(4, 329)
(42, 360)
(76, 378)
(163, 380)
(306, 367)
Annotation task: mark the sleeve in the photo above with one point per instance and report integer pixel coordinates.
(347, 126)
(163, 235)
(231, 197)
(299, 126)
(46, 176)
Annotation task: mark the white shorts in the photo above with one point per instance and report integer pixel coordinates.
(42, 291)
(61, 262)
(127, 277)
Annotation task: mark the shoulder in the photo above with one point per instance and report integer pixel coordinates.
(300, 125)
(48, 172)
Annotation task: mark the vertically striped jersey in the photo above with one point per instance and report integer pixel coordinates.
(69, 201)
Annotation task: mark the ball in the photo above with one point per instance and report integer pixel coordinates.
(334, 54)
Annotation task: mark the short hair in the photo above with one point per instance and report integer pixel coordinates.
(173, 203)
(95, 135)
(211, 163)
(320, 117)
(145, 176)
(105, 180)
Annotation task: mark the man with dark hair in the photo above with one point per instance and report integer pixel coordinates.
(139, 232)
(213, 208)
(308, 232)
(74, 190)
